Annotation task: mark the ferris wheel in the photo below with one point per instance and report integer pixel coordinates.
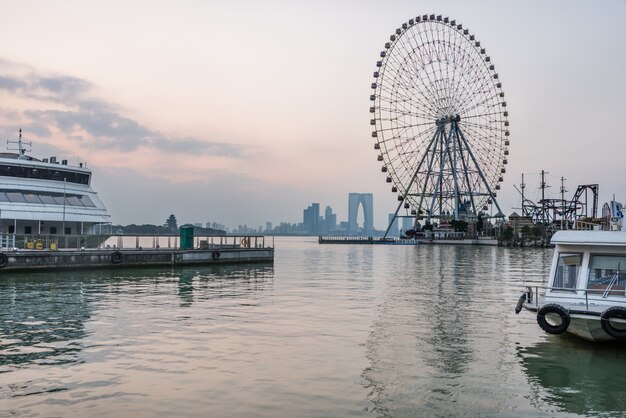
(440, 121)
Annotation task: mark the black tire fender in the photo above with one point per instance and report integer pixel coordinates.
(3, 260)
(116, 257)
(613, 312)
(216, 254)
(553, 308)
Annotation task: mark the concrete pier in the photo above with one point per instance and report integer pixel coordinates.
(115, 258)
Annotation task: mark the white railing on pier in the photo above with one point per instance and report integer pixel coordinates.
(199, 242)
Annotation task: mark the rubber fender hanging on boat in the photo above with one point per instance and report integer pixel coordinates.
(553, 308)
(3, 260)
(215, 255)
(116, 257)
(605, 320)
(520, 302)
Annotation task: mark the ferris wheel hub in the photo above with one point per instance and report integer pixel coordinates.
(448, 119)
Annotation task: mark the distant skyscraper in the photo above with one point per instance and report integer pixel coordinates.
(407, 223)
(393, 230)
(311, 219)
(366, 200)
(268, 226)
(330, 219)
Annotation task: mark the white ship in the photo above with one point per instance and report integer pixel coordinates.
(48, 204)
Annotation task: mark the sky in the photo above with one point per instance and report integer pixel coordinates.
(244, 112)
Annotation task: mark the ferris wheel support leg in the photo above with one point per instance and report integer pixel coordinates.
(465, 169)
(439, 178)
(454, 173)
(419, 166)
(438, 134)
(395, 215)
(480, 172)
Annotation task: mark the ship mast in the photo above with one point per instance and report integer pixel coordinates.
(20, 147)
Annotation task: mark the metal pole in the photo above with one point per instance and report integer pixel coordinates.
(562, 200)
(63, 206)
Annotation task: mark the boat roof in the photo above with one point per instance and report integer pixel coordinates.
(589, 238)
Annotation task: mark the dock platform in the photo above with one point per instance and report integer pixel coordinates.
(20, 260)
(367, 240)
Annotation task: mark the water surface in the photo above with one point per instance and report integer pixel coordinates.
(326, 331)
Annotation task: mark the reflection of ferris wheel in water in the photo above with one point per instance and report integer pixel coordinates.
(440, 120)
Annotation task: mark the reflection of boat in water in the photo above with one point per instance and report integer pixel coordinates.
(45, 203)
(576, 377)
(586, 290)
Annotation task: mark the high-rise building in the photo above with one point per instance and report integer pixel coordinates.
(366, 201)
(393, 230)
(268, 227)
(330, 220)
(407, 223)
(311, 219)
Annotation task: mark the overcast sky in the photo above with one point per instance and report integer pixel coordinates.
(243, 112)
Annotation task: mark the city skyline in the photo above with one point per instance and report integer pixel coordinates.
(246, 114)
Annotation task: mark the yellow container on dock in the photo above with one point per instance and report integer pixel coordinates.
(53, 246)
(38, 245)
(29, 244)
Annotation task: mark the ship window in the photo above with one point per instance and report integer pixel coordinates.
(59, 200)
(566, 276)
(607, 273)
(31, 198)
(47, 199)
(73, 201)
(43, 174)
(53, 230)
(86, 201)
(16, 197)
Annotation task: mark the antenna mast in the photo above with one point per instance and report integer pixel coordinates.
(20, 147)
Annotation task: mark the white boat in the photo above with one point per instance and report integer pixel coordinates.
(586, 290)
(48, 204)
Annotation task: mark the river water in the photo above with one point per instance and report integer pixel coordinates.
(326, 331)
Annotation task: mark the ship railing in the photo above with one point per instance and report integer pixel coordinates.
(568, 294)
(36, 242)
(50, 242)
(199, 242)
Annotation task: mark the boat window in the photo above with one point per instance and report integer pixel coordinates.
(567, 268)
(86, 201)
(16, 197)
(32, 198)
(607, 273)
(73, 201)
(46, 198)
(43, 174)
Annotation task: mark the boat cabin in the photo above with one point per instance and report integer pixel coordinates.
(589, 265)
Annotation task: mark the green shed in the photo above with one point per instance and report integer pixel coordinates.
(186, 237)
